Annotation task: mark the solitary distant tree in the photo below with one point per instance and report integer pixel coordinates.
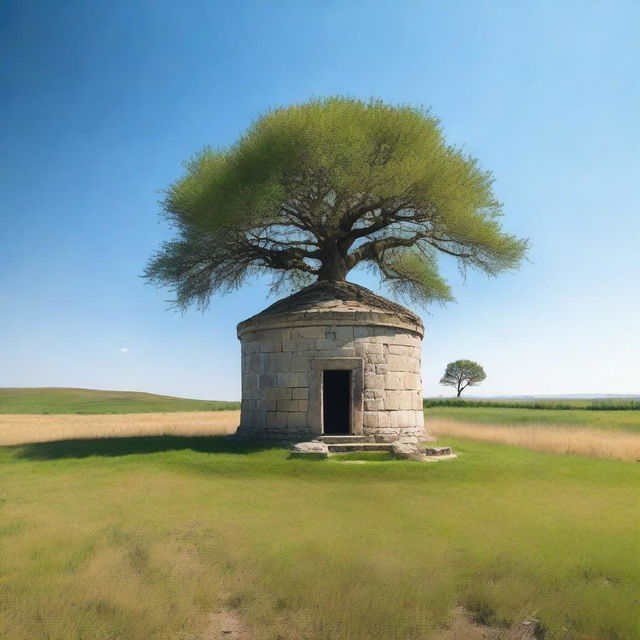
(462, 374)
(314, 190)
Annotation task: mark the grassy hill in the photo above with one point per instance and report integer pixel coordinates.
(62, 400)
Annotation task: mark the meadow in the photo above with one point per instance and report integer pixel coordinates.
(600, 433)
(105, 536)
(149, 537)
(610, 420)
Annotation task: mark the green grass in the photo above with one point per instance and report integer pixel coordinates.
(609, 404)
(614, 420)
(142, 538)
(60, 400)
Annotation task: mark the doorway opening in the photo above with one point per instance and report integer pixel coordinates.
(336, 401)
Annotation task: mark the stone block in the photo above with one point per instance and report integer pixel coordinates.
(250, 347)
(297, 419)
(300, 363)
(392, 400)
(287, 405)
(394, 380)
(255, 362)
(360, 349)
(406, 401)
(398, 363)
(374, 381)
(277, 362)
(413, 381)
(275, 335)
(344, 333)
(308, 332)
(276, 393)
(408, 451)
(374, 358)
(299, 346)
(398, 419)
(328, 344)
(293, 379)
(381, 369)
(363, 331)
(303, 405)
(268, 347)
(401, 350)
(248, 405)
(337, 351)
(383, 419)
(266, 380)
(370, 419)
(300, 393)
(373, 404)
(418, 418)
(311, 450)
(252, 393)
(247, 418)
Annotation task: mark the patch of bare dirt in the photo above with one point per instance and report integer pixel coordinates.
(462, 628)
(225, 624)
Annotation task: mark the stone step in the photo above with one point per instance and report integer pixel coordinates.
(333, 439)
(438, 451)
(349, 447)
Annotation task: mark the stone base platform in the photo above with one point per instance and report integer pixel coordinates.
(324, 446)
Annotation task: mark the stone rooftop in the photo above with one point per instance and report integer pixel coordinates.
(338, 297)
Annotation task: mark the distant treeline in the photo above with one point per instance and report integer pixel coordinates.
(590, 405)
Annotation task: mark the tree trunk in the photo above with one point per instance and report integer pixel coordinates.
(459, 392)
(333, 263)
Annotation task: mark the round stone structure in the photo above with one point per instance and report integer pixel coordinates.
(332, 359)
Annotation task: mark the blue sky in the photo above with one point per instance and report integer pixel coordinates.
(102, 102)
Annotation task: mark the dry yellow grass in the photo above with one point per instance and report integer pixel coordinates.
(23, 428)
(593, 443)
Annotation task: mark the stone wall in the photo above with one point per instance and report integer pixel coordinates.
(280, 393)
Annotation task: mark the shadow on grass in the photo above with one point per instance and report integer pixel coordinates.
(112, 447)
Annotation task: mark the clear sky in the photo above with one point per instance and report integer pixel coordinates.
(101, 102)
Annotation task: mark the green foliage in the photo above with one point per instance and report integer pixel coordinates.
(462, 374)
(142, 538)
(316, 189)
(61, 400)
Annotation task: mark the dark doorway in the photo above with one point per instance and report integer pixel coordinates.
(336, 401)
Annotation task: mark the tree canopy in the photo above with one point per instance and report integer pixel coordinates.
(462, 374)
(314, 190)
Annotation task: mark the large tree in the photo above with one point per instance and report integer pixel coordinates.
(314, 190)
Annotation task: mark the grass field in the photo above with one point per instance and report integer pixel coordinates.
(627, 403)
(59, 400)
(188, 538)
(609, 420)
(131, 539)
(19, 428)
